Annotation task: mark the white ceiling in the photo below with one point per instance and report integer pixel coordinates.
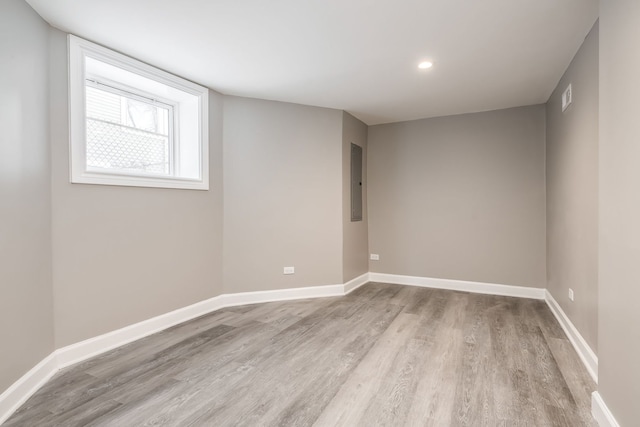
(356, 55)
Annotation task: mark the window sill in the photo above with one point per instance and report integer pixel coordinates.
(140, 181)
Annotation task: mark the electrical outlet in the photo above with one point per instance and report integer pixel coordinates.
(567, 97)
(289, 270)
(571, 294)
(374, 257)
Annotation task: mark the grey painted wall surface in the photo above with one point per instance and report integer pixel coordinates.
(619, 255)
(572, 192)
(460, 197)
(126, 254)
(282, 195)
(355, 235)
(26, 314)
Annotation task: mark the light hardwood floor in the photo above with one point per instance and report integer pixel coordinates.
(384, 355)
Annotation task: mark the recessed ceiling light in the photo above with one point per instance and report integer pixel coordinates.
(425, 64)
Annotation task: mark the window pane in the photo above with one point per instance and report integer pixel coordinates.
(141, 115)
(126, 134)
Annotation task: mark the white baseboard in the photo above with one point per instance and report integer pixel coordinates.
(13, 397)
(28, 384)
(244, 298)
(83, 350)
(354, 284)
(586, 354)
(460, 285)
(601, 412)
(91, 347)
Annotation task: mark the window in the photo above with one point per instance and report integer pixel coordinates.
(134, 125)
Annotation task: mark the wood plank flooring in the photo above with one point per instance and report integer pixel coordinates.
(384, 355)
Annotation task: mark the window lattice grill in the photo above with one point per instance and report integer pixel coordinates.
(126, 134)
(113, 146)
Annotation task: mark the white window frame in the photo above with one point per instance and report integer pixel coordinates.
(79, 50)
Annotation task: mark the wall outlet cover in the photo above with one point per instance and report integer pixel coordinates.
(567, 97)
(374, 257)
(289, 270)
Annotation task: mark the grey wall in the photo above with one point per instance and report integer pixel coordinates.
(355, 235)
(619, 255)
(282, 195)
(572, 192)
(26, 316)
(460, 197)
(124, 254)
